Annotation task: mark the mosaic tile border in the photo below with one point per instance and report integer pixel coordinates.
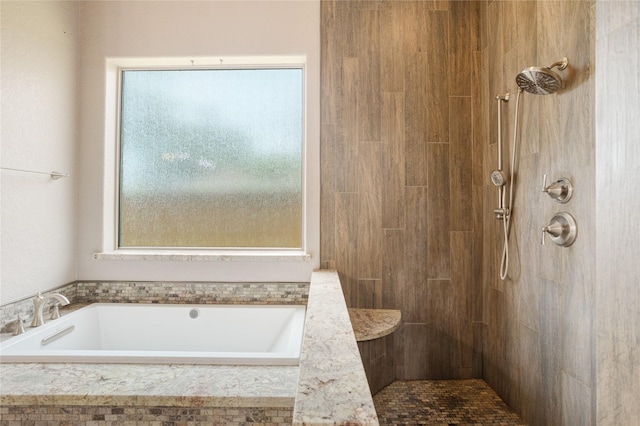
(143, 416)
(164, 292)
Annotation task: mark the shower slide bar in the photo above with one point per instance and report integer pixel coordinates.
(498, 177)
(54, 175)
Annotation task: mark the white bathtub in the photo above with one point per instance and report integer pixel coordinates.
(165, 334)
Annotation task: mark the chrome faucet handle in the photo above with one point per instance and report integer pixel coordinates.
(38, 305)
(19, 327)
(55, 311)
(560, 190)
(562, 229)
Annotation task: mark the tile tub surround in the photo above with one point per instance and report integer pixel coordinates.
(146, 416)
(329, 386)
(162, 292)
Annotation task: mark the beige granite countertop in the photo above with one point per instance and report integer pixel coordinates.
(333, 387)
(148, 385)
(369, 324)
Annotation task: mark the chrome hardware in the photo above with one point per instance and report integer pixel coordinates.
(501, 213)
(55, 312)
(38, 305)
(560, 190)
(562, 229)
(498, 177)
(54, 175)
(58, 334)
(19, 327)
(562, 64)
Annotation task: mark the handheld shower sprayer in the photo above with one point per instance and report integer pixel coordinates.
(498, 178)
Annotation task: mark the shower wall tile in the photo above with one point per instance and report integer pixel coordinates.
(368, 83)
(437, 204)
(330, 72)
(576, 402)
(416, 93)
(346, 235)
(391, 48)
(479, 348)
(346, 15)
(393, 171)
(550, 352)
(528, 221)
(416, 244)
(403, 154)
(577, 326)
(490, 265)
(393, 278)
(480, 103)
(378, 355)
(530, 376)
(460, 48)
(328, 140)
(415, 25)
(510, 23)
(439, 363)
(346, 151)
(477, 243)
(414, 351)
(437, 77)
(462, 294)
(369, 294)
(539, 348)
(617, 324)
(526, 55)
(461, 164)
(494, 363)
(370, 232)
(439, 298)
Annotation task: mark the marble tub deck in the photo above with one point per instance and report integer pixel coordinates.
(328, 387)
(128, 385)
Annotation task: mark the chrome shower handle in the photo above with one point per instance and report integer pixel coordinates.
(560, 190)
(562, 229)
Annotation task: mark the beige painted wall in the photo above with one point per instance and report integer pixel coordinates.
(126, 29)
(38, 132)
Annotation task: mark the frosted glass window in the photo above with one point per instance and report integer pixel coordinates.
(211, 158)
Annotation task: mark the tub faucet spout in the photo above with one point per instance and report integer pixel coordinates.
(38, 305)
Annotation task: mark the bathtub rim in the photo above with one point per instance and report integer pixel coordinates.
(154, 357)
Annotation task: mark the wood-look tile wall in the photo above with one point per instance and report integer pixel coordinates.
(539, 324)
(618, 248)
(407, 207)
(402, 177)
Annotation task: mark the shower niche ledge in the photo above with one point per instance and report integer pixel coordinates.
(369, 324)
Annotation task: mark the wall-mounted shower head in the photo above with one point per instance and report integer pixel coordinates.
(541, 81)
(498, 178)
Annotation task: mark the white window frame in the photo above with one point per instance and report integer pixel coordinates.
(310, 172)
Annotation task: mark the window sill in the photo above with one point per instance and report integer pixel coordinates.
(205, 256)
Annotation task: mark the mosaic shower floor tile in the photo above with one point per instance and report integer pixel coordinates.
(443, 402)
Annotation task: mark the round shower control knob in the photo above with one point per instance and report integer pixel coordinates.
(562, 229)
(560, 190)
